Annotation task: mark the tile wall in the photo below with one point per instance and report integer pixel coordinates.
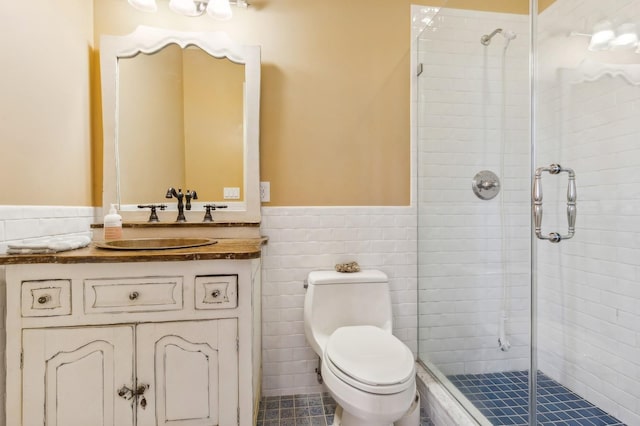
(310, 238)
(30, 223)
(463, 245)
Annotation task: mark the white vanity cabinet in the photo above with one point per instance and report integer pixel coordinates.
(133, 344)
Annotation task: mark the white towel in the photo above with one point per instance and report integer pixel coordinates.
(52, 245)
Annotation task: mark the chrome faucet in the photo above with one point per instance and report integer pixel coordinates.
(171, 193)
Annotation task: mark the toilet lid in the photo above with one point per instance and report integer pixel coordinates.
(370, 355)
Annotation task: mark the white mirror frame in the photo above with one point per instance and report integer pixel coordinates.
(148, 40)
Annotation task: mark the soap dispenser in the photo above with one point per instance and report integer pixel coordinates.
(112, 225)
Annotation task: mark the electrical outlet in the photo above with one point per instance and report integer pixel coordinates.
(265, 192)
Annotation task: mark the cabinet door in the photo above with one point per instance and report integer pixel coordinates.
(191, 368)
(70, 376)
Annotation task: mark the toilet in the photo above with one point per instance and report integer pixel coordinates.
(367, 370)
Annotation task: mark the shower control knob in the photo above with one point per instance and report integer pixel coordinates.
(486, 185)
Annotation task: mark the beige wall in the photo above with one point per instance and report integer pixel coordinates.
(507, 6)
(335, 91)
(543, 4)
(335, 95)
(45, 114)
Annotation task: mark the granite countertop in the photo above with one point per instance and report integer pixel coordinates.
(225, 248)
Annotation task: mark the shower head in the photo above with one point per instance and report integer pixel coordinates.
(508, 35)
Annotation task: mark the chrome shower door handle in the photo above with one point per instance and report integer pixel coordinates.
(572, 196)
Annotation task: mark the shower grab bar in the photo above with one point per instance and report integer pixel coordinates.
(554, 169)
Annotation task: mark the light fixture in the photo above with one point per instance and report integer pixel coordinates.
(218, 9)
(602, 36)
(144, 5)
(186, 7)
(626, 38)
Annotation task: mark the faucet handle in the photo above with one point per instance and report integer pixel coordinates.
(207, 212)
(190, 195)
(153, 217)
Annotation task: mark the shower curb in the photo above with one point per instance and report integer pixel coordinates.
(442, 408)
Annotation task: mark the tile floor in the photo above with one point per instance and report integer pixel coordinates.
(503, 399)
(314, 409)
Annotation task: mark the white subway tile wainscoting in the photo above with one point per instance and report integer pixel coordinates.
(303, 239)
(32, 223)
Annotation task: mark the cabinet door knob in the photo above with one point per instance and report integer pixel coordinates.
(133, 295)
(125, 392)
(44, 299)
(215, 293)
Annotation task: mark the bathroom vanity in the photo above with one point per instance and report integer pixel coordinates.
(153, 337)
(102, 337)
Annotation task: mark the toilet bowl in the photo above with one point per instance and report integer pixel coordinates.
(368, 371)
(371, 375)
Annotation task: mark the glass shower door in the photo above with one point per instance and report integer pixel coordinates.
(473, 150)
(587, 304)
(529, 237)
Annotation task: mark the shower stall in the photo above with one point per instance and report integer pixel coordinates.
(527, 138)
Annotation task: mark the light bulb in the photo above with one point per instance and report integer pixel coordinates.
(144, 5)
(219, 9)
(184, 7)
(602, 35)
(627, 37)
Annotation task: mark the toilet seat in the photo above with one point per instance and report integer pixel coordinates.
(370, 359)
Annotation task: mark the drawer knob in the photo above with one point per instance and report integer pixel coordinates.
(215, 293)
(44, 299)
(133, 295)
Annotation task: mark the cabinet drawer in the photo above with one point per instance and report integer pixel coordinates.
(133, 294)
(46, 298)
(216, 292)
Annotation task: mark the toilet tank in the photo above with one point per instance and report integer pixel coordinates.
(335, 299)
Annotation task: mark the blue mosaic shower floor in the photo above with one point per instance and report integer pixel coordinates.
(503, 399)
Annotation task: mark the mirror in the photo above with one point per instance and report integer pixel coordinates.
(180, 110)
(191, 140)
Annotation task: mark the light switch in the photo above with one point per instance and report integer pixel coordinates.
(231, 193)
(265, 192)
